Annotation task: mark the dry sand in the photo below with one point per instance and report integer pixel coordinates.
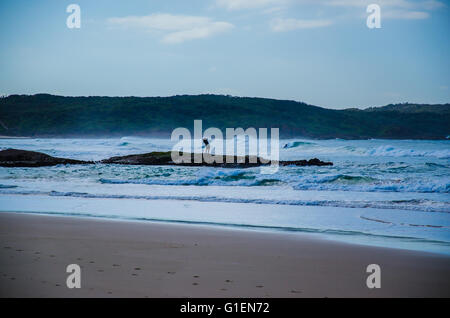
(137, 259)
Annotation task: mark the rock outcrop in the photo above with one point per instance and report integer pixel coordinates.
(24, 158)
(165, 158)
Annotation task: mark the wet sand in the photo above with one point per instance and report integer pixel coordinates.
(145, 259)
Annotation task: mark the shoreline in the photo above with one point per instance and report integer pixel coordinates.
(313, 234)
(342, 224)
(121, 258)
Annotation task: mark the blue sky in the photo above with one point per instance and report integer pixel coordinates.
(317, 51)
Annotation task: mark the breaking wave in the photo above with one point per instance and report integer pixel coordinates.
(326, 182)
(295, 144)
(371, 184)
(392, 151)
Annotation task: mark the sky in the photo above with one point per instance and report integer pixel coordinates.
(316, 51)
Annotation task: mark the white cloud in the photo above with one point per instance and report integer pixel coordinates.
(247, 4)
(365, 3)
(393, 9)
(256, 4)
(405, 4)
(174, 28)
(272, 10)
(432, 4)
(390, 9)
(281, 25)
(396, 9)
(404, 14)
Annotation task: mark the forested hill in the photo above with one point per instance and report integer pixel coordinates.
(48, 115)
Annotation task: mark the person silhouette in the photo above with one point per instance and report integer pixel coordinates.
(207, 145)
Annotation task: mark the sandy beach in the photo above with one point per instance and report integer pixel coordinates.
(145, 259)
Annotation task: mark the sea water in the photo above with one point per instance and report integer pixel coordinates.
(378, 192)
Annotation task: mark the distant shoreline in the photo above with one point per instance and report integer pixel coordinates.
(49, 115)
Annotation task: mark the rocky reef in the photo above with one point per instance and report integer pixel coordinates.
(165, 158)
(24, 158)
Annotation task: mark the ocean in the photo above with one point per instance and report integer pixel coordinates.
(392, 193)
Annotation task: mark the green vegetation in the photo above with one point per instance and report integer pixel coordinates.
(48, 115)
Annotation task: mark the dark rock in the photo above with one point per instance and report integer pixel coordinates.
(311, 162)
(24, 158)
(165, 158)
(152, 158)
